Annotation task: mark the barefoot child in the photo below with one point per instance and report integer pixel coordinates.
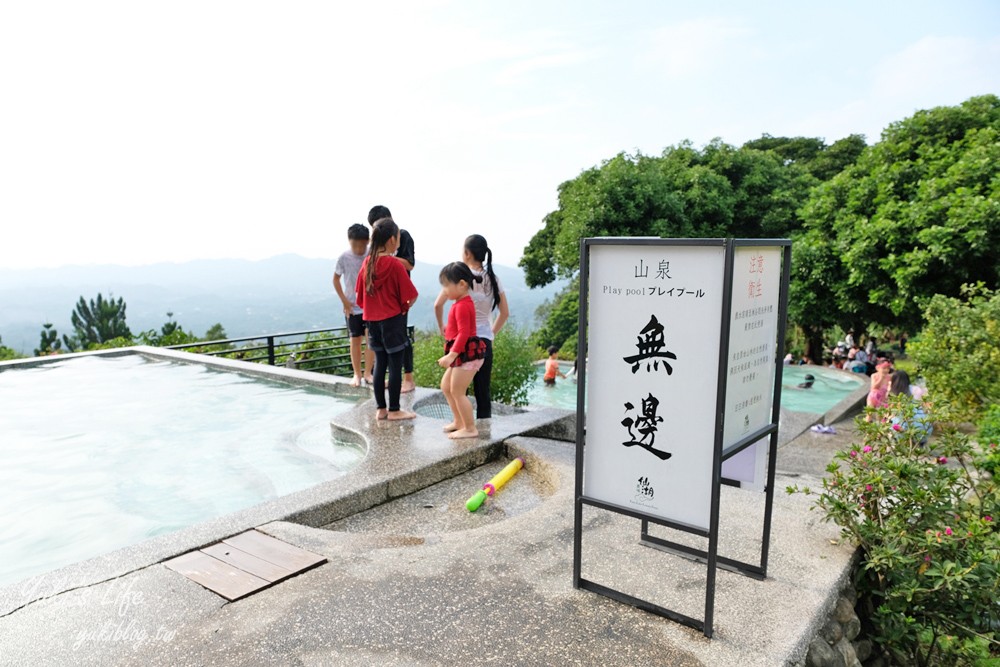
(385, 294)
(464, 350)
(348, 268)
(881, 379)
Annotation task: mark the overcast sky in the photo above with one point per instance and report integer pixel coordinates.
(135, 132)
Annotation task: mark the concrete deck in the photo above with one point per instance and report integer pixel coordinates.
(415, 579)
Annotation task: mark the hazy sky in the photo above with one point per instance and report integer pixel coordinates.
(134, 132)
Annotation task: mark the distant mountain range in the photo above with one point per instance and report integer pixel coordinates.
(283, 293)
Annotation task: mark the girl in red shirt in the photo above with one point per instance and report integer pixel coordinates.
(464, 351)
(385, 294)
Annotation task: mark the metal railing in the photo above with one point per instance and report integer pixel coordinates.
(319, 350)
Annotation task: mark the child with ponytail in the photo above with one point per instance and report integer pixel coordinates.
(385, 294)
(463, 348)
(488, 296)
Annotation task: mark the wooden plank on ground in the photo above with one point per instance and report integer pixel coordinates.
(230, 582)
(248, 562)
(274, 551)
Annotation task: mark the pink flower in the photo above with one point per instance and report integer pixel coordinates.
(867, 449)
(854, 454)
(947, 530)
(942, 460)
(987, 518)
(897, 427)
(927, 558)
(868, 487)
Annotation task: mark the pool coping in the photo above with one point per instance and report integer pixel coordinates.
(402, 459)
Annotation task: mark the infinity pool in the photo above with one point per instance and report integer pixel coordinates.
(98, 453)
(830, 388)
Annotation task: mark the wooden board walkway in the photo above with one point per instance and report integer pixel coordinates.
(244, 564)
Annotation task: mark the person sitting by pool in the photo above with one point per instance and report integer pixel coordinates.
(900, 386)
(552, 368)
(809, 379)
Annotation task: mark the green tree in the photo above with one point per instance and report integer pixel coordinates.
(513, 364)
(97, 322)
(49, 342)
(917, 214)
(562, 320)
(170, 326)
(719, 190)
(513, 367)
(811, 153)
(957, 351)
(6, 353)
(215, 332)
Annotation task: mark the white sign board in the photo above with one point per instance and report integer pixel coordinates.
(654, 328)
(753, 333)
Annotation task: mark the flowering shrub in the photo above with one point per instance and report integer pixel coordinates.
(926, 524)
(989, 439)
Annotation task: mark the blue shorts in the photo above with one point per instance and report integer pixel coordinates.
(356, 326)
(389, 335)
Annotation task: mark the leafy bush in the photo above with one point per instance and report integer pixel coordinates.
(926, 527)
(513, 364)
(568, 349)
(989, 440)
(428, 347)
(513, 367)
(314, 353)
(6, 353)
(957, 351)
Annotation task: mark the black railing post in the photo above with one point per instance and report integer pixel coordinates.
(270, 350)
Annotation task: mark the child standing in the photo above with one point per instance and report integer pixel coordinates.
(464, 349)
(552, 368)
(348, 268)
(385, 294)
(881, 379)
(488, 296)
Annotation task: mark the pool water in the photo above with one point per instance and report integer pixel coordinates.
(830, 388)
(98, 453)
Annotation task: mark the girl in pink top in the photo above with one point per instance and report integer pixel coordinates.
(463, 349)
(881, 379)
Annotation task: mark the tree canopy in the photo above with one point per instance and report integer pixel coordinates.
(877, 230)
(716, 191)
(917, 214)
(98, 321)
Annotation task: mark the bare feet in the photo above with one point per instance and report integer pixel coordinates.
(450, 427)
(369, 379)
(400, 415)
(464, 433)
(381, 413)
(407, 387)
(355, 381)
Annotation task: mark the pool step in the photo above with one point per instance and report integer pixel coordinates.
(244, 564)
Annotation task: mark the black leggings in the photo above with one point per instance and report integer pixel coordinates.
(408, 351)
(481, 385)
(394, 362)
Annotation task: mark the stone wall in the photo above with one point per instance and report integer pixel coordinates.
(839, 642)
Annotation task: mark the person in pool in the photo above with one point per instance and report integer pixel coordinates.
(552, 368)
(809, 379)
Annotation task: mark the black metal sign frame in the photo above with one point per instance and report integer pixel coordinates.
(709, 556)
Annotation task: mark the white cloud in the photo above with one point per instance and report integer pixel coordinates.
(942, 67)
(932, 71)
(694, 47)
